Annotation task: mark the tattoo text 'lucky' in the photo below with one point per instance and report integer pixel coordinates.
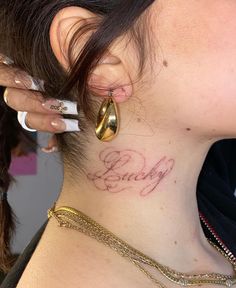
(123, 169)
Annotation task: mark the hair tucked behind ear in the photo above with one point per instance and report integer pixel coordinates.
(24, 37)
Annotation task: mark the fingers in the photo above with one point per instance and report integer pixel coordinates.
(42, 115)
(28, 101)
(51, 123)
(24, 100)
(21, 116)
(12, 77)
(52, 145)
(37, 113)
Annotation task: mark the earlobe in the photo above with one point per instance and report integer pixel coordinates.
(111, 76)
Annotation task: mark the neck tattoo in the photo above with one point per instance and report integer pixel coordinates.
(122, 169)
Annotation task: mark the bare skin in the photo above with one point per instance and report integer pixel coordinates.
(144, 188)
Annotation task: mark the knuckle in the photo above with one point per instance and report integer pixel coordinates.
(8, 97)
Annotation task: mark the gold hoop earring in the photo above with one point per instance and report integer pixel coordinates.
(107, 126)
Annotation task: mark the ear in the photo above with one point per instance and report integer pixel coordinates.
(110, 74)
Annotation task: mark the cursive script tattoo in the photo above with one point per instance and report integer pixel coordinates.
(122, 169)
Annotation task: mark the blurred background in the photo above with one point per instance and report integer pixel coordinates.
(32, 195)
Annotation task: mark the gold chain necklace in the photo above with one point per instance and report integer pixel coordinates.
(70, 218)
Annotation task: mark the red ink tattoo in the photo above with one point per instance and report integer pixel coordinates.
(124, 168)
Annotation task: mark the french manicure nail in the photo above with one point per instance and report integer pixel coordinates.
(6, 60)
(49, 150)
(37, 84)
(24, 80)
(63, 107)
(66, 125)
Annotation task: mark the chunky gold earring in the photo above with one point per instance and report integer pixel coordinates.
(107, 120)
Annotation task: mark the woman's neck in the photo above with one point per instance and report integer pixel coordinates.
(145, 192)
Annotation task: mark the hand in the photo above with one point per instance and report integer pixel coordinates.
(23, 94)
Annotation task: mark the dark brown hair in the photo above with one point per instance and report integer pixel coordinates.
(24, 37)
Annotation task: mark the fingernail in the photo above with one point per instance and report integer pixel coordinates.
(5, 94)
(24, 80)
(49, 150)
(66, 125)
(37, 84)
(6, 60)
(63, 107)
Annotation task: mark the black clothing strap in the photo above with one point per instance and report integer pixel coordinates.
(16, 272)
(216, 191)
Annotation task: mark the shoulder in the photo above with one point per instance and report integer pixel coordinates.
(66, 258)
(17, 270)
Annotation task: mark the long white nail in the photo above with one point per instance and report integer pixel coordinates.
(49, 150)
(71, 107)
(71, 125)
(37, 84)
(66, 125)
(6, 60)
(61, 106)
(25, 81)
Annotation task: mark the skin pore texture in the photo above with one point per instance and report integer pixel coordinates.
(142, 185)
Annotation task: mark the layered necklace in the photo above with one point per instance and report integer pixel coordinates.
(71, 218)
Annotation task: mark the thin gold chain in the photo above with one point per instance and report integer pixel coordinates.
(71, 218)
